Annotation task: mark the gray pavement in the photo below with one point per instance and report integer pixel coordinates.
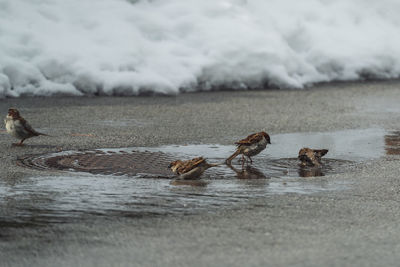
(353, 227)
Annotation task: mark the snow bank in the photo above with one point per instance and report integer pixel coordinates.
(80, 47)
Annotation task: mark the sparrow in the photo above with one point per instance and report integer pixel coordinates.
(311, 157)
(250, 146)
(190, 169)
(19, 127)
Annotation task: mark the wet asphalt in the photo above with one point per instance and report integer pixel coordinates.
(356, 226)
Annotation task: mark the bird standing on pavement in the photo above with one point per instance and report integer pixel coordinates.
(19, 127)
(250, 146)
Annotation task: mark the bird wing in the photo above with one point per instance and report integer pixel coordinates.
(28, 127)
(251, 139)
(320, 152)
(189, 165)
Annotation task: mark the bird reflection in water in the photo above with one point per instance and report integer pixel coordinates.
(199, 183)
(310, 171)
(248, 172)
(392, 143)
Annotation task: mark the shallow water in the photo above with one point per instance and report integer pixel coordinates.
(354, 145)
(56, 199)
(77, 195)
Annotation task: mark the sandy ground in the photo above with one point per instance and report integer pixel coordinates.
(353, 227)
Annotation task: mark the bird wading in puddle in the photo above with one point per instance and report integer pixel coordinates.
(250, 146)
(190, 169)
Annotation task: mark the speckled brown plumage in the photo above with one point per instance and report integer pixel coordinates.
(250, 146)
(190, 169)
(311, 157)
(18, 127)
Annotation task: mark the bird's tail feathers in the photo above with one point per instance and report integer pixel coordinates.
(234, 155)
(44, 134)
(321, 152)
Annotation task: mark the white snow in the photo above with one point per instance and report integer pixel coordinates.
(79, 47)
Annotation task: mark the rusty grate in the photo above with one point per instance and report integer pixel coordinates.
(147, 164)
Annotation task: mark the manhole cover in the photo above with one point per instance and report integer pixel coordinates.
(148, 164)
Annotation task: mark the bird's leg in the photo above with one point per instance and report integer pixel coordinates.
(20, 143)
(242, 161)
(251, 161)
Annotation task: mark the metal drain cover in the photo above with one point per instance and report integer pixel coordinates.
(145, 163)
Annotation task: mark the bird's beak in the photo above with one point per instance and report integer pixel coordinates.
(169, 166)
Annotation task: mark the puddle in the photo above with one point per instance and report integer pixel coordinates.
(115, 190)
(346, 148)
(59, 199)
(351, 145)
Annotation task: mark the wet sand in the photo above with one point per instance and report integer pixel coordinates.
(357, 225)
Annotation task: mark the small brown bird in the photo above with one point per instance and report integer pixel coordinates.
(311, 157)
(190, 169)
(250, 146)
(19, 127)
